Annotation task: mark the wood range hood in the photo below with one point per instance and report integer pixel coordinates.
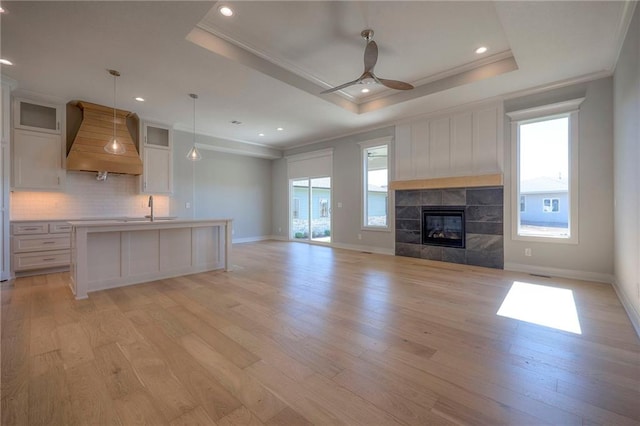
(96, 130)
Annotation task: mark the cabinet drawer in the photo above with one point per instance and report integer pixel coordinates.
(29, 228)
(43, 259)
(59, 228)
(27, 243)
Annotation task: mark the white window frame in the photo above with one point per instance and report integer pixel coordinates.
(364, 147)
(568, 109)
(550, 205)
(523, 203)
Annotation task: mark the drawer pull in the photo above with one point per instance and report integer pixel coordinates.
(33, 228)
(48, 242)
(48, 259)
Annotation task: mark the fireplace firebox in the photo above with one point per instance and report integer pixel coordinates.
(443, 226)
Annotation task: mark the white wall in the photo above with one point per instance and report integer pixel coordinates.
(626, 95)
(223, 185)
(592, 257)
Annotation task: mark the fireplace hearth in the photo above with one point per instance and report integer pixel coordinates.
(443, 227)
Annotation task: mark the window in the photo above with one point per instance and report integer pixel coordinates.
(324, 208)
(375, 188)
(545, 172)
(296, 208)
(550, 205)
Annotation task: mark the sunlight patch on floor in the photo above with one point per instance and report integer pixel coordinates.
(543, 305)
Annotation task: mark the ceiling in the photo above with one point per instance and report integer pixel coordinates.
(266, 65)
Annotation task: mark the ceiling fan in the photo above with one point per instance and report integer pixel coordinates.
(370, 59)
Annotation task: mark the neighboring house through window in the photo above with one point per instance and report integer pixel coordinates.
(296, 208)
(545, 172)
(375, 184)
(324, 207)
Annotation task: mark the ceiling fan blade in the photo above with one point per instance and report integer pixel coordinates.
(342, 86)
(395, 84)
(370, 56)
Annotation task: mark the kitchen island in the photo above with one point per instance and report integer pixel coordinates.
(115, 253)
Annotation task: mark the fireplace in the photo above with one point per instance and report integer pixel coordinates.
(443, 226)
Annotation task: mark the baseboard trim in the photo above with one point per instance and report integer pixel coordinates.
(632, 313)
(253, 239)
(368, 249)
(558, 272)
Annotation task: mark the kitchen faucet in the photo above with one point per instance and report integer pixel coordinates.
(151, 205)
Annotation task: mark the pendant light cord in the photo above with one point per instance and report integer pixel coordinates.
(194, 120)
(114, 107)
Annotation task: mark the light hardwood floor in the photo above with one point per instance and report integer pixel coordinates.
(302, 334)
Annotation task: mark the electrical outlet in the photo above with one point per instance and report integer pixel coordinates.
(339, 205)
(187, 205)
(279, 230)
(527, 252)
(359, 236)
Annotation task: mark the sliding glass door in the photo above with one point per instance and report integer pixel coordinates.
(310, 209)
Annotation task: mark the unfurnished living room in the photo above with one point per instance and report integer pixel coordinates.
(320, 212)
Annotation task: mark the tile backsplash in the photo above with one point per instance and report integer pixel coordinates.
(85, 197)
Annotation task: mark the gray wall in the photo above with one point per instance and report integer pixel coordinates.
(346, 183)
(626, 95)
(592, 257)
(223, 185)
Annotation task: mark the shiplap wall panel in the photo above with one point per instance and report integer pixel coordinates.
(461, 143)
(440, 145)
(486, 140)
(403, 153)
(420, 148)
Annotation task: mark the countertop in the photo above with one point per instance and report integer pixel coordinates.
(137, 222)
(93, 219)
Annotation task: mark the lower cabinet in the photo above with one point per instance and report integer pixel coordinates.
(38, 247)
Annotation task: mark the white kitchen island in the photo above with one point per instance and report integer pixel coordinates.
(114, 253)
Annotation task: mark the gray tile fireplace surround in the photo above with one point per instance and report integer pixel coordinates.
(483, 223)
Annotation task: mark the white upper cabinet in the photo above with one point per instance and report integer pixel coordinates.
(157, 159)
(37, 116)
(37, 161)
(37, 150)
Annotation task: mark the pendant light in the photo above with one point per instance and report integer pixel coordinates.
(194, 154)
(114, 146)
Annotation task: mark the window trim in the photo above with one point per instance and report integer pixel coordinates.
(570, 109)
(364, 146)
(551, 205)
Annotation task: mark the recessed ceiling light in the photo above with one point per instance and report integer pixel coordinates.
(279, 129)
(139, 99)
(5, 62)
(481, 49)
(365, 90)
(225, 11)
(260, 134)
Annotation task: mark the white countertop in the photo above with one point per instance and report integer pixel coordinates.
(136, 222)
